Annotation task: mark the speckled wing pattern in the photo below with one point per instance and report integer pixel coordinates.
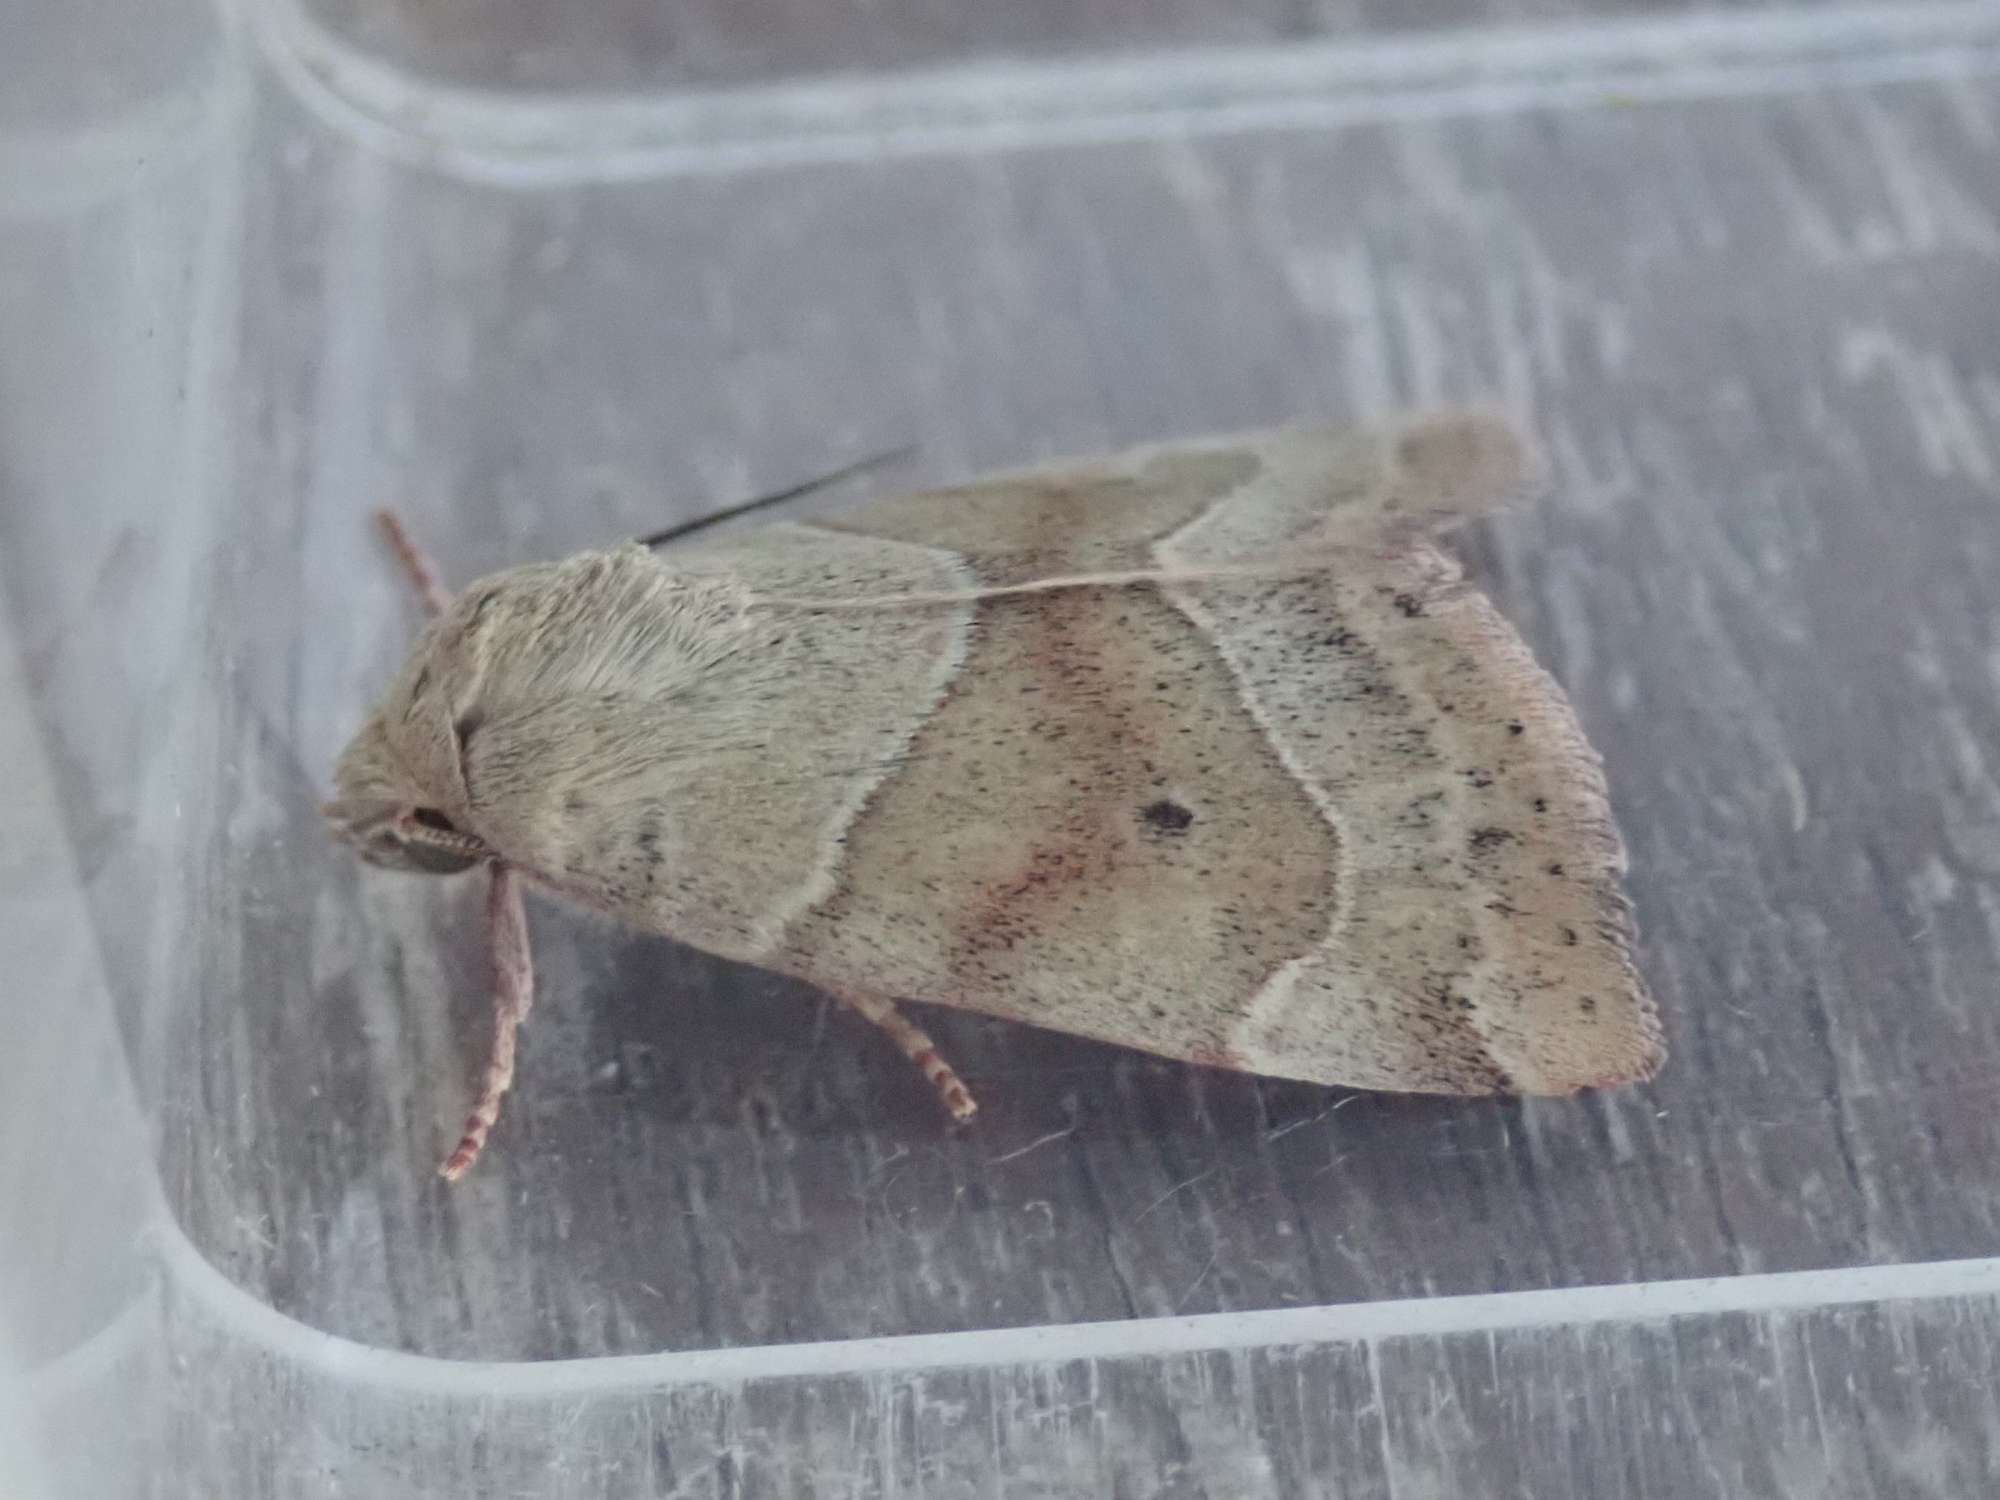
(1329, 823)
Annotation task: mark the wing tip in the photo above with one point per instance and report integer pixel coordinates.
(1586, 1059)
(1464, 461)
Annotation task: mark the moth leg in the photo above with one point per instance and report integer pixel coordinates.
(423, 572)
(919, 1049)
(513, 994)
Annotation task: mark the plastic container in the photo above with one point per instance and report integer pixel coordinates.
(540, 285)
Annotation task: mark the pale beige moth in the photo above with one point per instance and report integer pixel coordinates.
(1203, 749)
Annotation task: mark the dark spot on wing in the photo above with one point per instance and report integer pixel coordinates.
(1166, 816)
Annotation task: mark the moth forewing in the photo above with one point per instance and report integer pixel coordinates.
(1203, 749)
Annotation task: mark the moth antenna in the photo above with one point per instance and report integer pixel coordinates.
(1108, 580)
(729, 513)
(513, 994)
(917, 1046)
(422, 571)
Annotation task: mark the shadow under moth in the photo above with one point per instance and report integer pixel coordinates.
(1203, 749)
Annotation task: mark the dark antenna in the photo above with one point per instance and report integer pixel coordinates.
(729, 513)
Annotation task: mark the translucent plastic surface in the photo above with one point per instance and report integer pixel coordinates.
(256, 280)
(642, 45)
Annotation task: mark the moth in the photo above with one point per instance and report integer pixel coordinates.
(1203, 749)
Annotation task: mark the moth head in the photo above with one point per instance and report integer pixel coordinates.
(388, 820)
(400, 796)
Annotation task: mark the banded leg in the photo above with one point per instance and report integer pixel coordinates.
(513, 962)
(513, 994)
(919, 1049)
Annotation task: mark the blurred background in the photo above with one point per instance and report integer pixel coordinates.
(543, 277)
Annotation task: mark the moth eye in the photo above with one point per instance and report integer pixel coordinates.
(430, 817)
